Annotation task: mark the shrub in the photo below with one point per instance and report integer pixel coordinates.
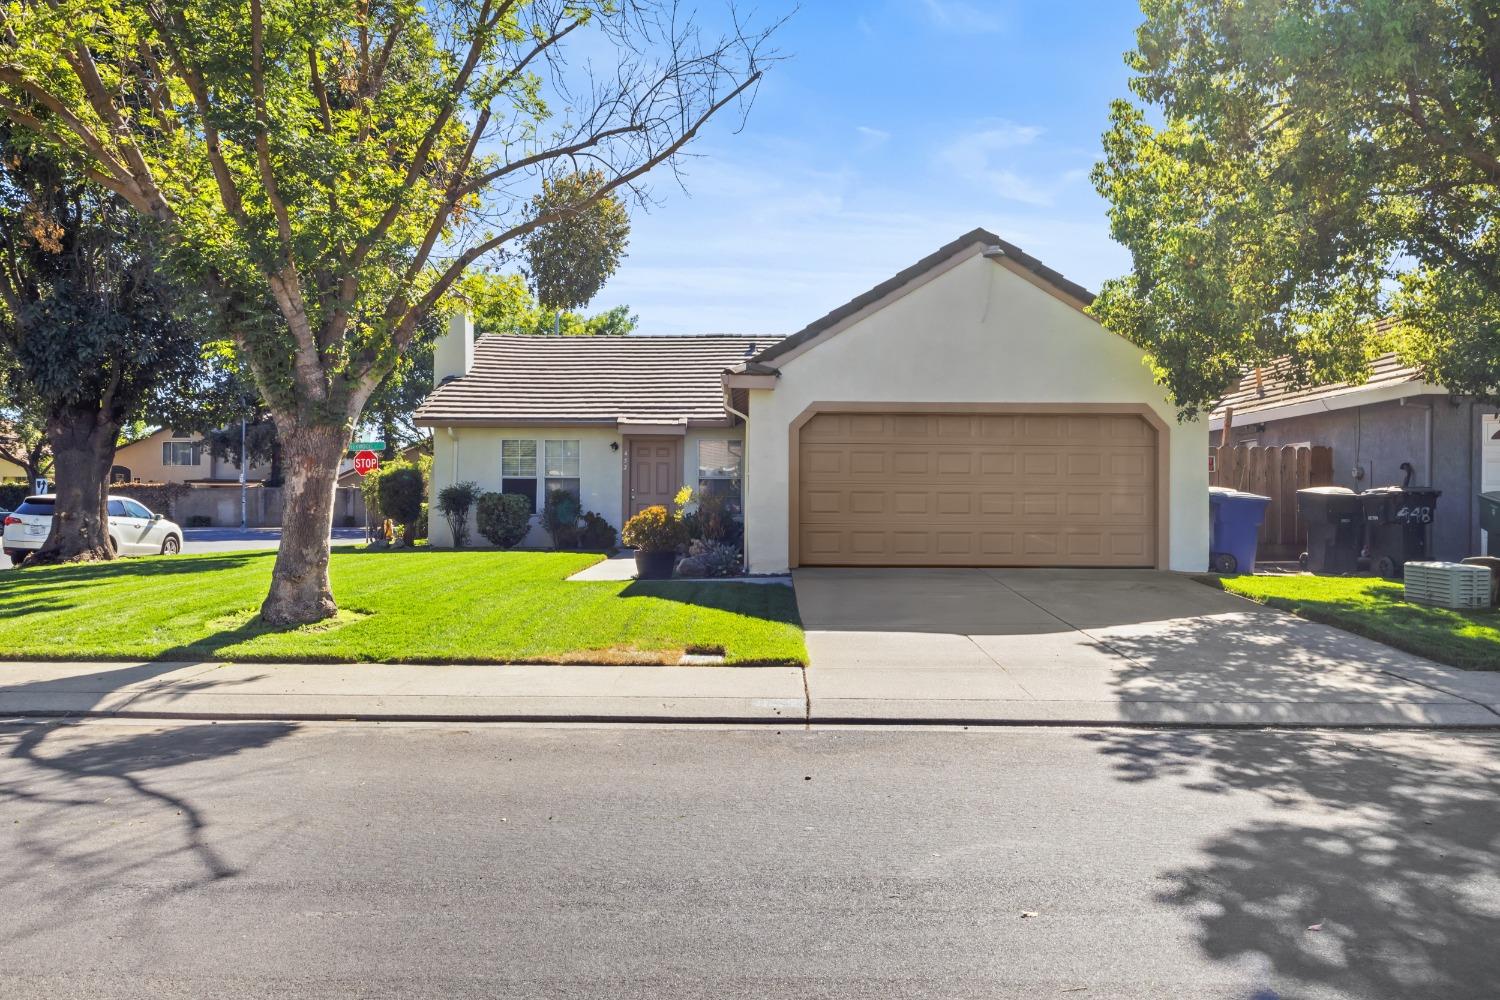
(503, 518)
(11, 495)
(400, 490)
(597, 533)
(654, 530)
(714, 521)
(560, 518)
(455, 502)
(717, 558)
(199, 521)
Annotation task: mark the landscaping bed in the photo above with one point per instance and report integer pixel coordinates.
(401, 606)
(1376, 608)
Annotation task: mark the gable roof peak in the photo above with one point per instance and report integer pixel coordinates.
(992, 246)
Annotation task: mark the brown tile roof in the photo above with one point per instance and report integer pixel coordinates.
(980, 236)
(1275, 389)
(594, 380)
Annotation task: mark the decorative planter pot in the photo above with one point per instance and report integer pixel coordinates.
(655, 565)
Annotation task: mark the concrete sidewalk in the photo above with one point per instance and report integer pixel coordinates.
(478, 692)
(850, 692)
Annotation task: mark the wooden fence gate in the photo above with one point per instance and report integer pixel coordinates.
(1277, 473)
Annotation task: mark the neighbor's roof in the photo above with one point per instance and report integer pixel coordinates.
(592, 380)
(1273, 389)
(981, 237)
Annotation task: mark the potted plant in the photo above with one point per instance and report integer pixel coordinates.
(656, 534)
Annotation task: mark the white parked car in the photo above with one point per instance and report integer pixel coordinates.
(133, 530)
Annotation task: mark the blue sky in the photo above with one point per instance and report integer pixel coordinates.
(893, 127)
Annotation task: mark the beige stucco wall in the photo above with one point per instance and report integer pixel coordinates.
(9, 470)
(975, 333)
(143, 459)
(473, 453)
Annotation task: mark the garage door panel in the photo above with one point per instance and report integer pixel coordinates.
(977, 489)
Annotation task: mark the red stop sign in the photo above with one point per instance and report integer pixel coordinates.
(366, 462)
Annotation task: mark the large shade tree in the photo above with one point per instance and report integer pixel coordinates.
(1299, 170)
(350, 160)
(94, 334)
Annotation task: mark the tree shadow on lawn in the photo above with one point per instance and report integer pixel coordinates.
(770, 602)
(48, 588)
(1389, 846)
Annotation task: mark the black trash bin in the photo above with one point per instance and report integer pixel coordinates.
(1397, 523)
(1489, 520)
(1335, 520)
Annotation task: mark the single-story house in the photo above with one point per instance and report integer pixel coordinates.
(1374, 427)
(966, 412)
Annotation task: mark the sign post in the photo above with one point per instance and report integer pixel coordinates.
(366, 461)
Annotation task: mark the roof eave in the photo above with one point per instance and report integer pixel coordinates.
(1346, 399)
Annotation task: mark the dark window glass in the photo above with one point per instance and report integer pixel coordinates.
(31, 505)
(525, 487)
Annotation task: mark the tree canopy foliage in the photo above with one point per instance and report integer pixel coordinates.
(350, 161)
(93, 332)
(1298, 172)
(571, 259)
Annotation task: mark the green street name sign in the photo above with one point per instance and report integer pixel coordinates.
(367, 446)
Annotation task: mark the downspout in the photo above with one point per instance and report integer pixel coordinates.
(452, 436)
(744, 477)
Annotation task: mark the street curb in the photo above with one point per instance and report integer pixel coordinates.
(15, 717)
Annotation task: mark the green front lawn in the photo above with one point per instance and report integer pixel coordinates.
(413, 606)
(1375, 608)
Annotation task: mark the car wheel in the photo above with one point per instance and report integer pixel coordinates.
(171, 546)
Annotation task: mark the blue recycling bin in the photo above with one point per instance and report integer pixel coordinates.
(1234, 529)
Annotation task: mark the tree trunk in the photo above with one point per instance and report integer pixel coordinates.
(83, 451)
(300, 591)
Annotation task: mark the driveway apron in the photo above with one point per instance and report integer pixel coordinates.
(1088, 646)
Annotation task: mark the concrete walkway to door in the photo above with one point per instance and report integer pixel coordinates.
(1113, 646)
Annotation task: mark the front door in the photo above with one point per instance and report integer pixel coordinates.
(655, 472)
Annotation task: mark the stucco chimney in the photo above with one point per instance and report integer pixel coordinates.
(453, 355)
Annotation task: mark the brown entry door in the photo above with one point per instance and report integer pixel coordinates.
(655, 473)
(974, 489)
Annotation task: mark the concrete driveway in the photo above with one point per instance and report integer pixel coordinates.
(1102, 646)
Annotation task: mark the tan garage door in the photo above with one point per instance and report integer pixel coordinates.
(952, 489)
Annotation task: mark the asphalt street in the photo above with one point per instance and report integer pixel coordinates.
(353, 860)
(237, 540)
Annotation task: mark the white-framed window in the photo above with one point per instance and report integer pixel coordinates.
(721, 466)
(518, 468)
(181, 453)
(560, 465)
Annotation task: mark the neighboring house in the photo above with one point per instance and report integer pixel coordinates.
(1392, 418)
(10, 470)
(167, 456)
(967, 412)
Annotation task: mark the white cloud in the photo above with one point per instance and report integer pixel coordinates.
(962, 15)
(871, 138)
(988, 157)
